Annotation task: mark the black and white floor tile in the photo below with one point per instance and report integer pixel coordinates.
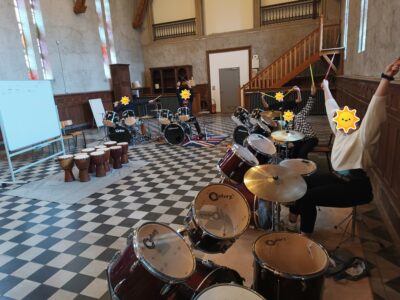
(56, 251)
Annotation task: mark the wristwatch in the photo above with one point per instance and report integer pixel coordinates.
(390, 78)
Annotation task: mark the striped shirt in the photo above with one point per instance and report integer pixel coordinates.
(300, 123)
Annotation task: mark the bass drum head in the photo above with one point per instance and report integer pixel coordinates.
(119, 134)
(163, 252)
(303, 257)
(174, 134)
(240, 134)
(228, 291)
(221, 211)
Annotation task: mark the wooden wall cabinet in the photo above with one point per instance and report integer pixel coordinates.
(163, 80)
(121, 81)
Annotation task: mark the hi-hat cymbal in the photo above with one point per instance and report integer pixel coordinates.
(275, 183)
(287, 135)
(268, 121)
(299, 166)
(271, 114)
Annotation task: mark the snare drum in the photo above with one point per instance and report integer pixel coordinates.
(236, 162)
(289, 266)
(165, 117)
(217, 217)
(262, 148)
(207, 274)
(175, 133)
(300, 166)
(183, 114)
(240, 133)
(228, 291)
(155, 258)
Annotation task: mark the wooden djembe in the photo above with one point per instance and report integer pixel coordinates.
(82, 162)
(108, 145)
(67, 163)
(98, 159)
(124, 155)
(92, 166)
(116, 152)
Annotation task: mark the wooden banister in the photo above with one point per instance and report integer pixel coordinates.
(307, 51)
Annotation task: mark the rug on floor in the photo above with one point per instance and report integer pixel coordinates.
(212, 140)
(54, 189)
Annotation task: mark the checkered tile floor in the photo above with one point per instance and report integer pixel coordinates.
(56, 251)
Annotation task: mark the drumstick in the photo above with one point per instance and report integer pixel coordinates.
(288, 92)
(312, 75)
(330, 66)
(265, 94)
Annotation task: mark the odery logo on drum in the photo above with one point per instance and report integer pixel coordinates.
(213, 196)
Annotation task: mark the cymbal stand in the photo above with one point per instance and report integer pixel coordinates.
(276, 216)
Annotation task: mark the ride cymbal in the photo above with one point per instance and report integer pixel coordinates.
(275, 183)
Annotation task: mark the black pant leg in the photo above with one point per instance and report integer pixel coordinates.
(302, 148)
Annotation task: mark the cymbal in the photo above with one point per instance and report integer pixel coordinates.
(287, 135)
(275, 183)
(299, 166)
(271, 114)
(268, 121)
(147, 117)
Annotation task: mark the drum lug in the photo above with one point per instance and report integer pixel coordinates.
(165, 289)
(118, 286)
(182, 231)
(115, 256)
(208, 263)
(129, 240)
(303, 286)
(133, 266)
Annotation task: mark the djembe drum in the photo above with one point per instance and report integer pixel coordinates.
(106, 156)
(67, 163)
(98, 159)
(124, 155)
(92, 166)
(116, 152)
(108, 145)
(82, 162)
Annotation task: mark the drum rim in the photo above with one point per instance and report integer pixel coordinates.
(180, 126)
(196, 219)
(236, 147)
(228, 284)
(264, 265)
(255, 149)
(152, 269)
(301, 159)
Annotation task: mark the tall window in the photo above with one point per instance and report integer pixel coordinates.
(363, 26)
(40, 38)
(26, 38)
(105, 33)
(346, 28)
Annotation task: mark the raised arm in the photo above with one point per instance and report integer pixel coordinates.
(330, 104)
(310, 103)
(376, 112)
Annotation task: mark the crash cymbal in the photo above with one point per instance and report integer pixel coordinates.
(275, 183)
(272, 114)
(268, 121)
(287, 135)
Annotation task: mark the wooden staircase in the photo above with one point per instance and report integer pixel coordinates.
(322, 42)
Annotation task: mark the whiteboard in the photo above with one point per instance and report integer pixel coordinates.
(28, 113)
(98, 111)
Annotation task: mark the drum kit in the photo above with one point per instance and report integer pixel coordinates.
(126, 129)
(175, 127)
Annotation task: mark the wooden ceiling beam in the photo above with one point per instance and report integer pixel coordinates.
(140, 12)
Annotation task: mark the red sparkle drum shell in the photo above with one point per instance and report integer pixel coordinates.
(217, 217)
(236, 162)
(207, 274)
(289, 266)
(262, 148)
(155, 259)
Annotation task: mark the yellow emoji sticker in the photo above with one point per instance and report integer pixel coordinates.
(288, 116)
(279, 96)
(185, 94)
(125, 100)
(346, 119)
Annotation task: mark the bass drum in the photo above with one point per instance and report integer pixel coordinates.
(119, 134)
(175, 133)
(240, 133)
(207, 274)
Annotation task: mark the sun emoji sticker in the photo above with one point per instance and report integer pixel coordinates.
(279, 96)
(185, 94)
(288, 116)
(125, 100)
(346, 119)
